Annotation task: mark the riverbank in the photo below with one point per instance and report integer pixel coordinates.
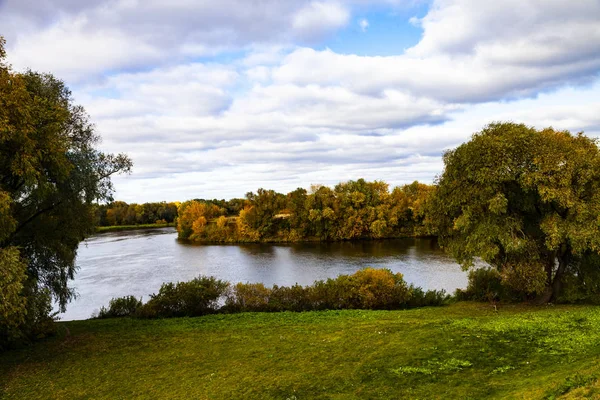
(304, 240)
(466, 350)
(119, 228)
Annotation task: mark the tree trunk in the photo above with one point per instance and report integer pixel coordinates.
(557, 281)
(554, 283)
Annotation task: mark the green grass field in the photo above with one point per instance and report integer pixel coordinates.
(462, 351)
(119, 228)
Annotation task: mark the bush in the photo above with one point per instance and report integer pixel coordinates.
(121, 307)
(292, 298)
(368, 288)
(421, 298)
(365, 289)
(486, 284)
(581, 283)
(248, 297)
(197, 297)
(380, 289)
(37, 322)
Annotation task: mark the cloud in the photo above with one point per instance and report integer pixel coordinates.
(319, 18)
(214, 99)
(363, 24)
(470, 52)
(69, 48)
(78, 40)
(283, 136)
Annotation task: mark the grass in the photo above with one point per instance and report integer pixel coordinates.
(119, 228)
(466, 351)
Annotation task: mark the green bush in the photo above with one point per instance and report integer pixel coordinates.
(197, 297)
(37, 322)
(485, 284)
(369, 288)
(121, 307)
(290, 298)
(581, 283)
(248, 297)
(421, 298)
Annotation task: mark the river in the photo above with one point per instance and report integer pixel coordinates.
(138, 262)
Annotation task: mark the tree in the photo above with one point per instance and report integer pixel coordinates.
(50, 175)
(526, 201)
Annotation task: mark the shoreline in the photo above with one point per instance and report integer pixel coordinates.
(120, 228)
(307, 240)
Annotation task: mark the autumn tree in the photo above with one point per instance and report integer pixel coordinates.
(526, 201)
(50, 175)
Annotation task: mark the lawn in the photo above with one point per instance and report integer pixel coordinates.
(462, 351)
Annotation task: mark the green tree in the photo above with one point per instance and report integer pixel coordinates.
(526, 201)
(50, 175)
(265, 204)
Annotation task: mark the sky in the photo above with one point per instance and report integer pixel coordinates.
(213, 99)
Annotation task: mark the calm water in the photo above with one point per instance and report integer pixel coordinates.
(138, 262)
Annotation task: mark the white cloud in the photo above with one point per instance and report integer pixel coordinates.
(280, 115)
(283, 136)
(318, 18)
(78, 40)
(69, 48)
(364, 24)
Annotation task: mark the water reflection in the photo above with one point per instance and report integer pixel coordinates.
(137, 263)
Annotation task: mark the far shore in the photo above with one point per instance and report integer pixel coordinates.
(118, 228)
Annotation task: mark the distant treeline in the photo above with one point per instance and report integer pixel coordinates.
(351, 210)
(120, 213)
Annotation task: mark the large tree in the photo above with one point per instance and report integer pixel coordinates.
(525, 201)
(51, 172)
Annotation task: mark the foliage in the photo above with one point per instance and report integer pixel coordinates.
(35, 322)
(526, 201)
(352, 210)
(119, 213)
(249, 297)
(368, 288)
(486, 284)
(50, 175)
(13, 304)
(199, 296)
(467, 349)
(119, 228)
(422, 298)
(582, 280)
(120, 307)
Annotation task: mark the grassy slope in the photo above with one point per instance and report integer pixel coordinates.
(461, 351)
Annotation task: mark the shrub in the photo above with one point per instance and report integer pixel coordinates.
(197, 297)
(380, 289)
(486, 284)
(581, 282)
(121, 307)
(368, 288)
(248, 297)
(292, 298)
(333, 294)
(421, 298)
(37, 322)
(365, 289)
